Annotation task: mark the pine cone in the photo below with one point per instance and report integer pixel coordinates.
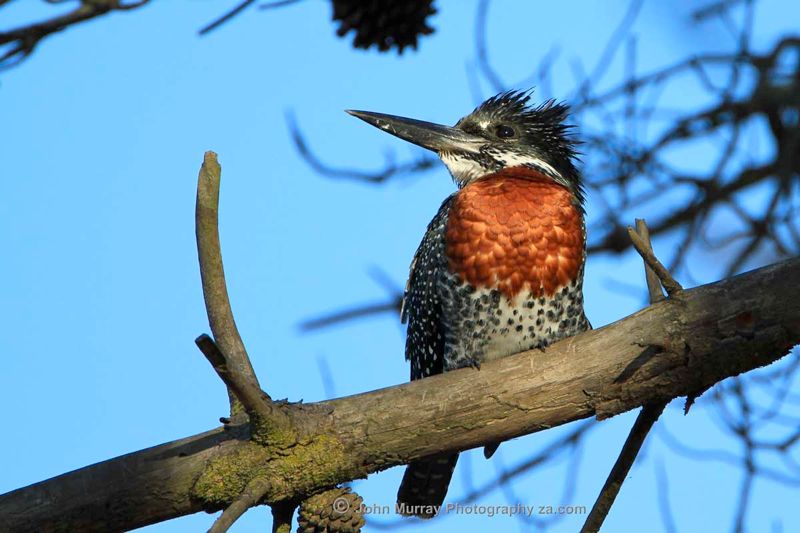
(333, 511)
(385, 23)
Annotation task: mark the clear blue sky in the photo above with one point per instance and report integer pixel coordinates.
(104, 131)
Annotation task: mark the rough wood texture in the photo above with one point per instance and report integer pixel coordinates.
(674, 348)
(215, 290)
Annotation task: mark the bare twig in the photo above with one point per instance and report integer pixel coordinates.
(480, 46)
(653, 282)
(215, 290)
(630, 450)
(226, 17)
(651, 411)
(277, 3)
(391, 306)
(238, 9)
(24, 40)
(391, 169)
(249, 497)
(669, 283)
(231, 360)
(253, 399)
(667, 517)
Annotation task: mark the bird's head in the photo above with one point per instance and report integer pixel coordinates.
(503, 132)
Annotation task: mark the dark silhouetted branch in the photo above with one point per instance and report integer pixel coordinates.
(667, 517)
(390, 170)
(239, 8)
(226, 17)
(22, 41)
(392, 306)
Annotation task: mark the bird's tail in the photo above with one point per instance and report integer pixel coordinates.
(425, 485)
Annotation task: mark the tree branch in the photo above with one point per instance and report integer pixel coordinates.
(657, 277)
(252, 398)
(230, 359)
(701, 336)
(226, 17)
(254, 491)
(654, 283)
(630, 451)
(24, 40)
(215, 291)
(652, 263)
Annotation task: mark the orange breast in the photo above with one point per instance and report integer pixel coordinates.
(515, 231)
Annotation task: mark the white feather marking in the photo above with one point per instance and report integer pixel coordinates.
(517, 160)
(463, 169)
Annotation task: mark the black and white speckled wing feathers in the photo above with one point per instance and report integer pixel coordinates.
(422, 303)
(425, 481)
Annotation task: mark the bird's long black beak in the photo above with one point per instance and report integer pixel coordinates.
(426, 134)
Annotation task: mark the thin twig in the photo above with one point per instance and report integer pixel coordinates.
(24, 40)
(277, 3)
(669, 283)
(650, 412)
(226, 17)
(667, 518)
(653, 281)
(480, 44)
(253, 399)
(644, 422)
(215, 291)
(420, 164)
(250, 496)
(230, 360)
(392, 306)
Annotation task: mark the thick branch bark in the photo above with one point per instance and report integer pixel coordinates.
(674, 348)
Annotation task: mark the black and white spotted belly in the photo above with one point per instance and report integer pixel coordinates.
(482, 324)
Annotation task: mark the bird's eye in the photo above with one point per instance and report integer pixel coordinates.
(504, 132)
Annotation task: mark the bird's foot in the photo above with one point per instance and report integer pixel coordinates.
(474, 362)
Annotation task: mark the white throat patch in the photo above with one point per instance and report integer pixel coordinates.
(463, 169)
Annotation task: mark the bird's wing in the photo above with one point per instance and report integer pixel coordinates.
(422, 305)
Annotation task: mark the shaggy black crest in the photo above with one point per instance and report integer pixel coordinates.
(539, 129)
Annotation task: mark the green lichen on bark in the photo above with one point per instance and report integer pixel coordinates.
(284, 528)
(274, 433)
(299, 469)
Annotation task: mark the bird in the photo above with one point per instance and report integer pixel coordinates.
(500, 267)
